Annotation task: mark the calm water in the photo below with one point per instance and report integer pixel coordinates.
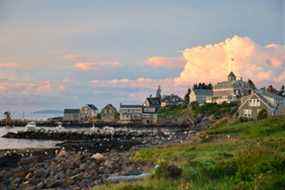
(22, 143)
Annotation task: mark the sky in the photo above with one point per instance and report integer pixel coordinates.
(64, 54)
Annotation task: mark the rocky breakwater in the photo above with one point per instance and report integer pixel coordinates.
(105, 139)
(62, 134)
(61, 169)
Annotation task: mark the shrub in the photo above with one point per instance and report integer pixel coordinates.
(168, 171)
(262, 114)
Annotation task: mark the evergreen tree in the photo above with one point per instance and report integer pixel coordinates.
(187, 96)
(210, 86)
(282, 91)
(251, 84)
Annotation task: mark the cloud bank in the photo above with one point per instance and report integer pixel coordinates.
(213, 62)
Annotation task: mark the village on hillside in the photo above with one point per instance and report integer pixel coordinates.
(251, 101)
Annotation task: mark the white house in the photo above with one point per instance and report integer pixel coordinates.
(259, 100)
(131, 113)
(200, 96)
(88, 112)
(231, 90)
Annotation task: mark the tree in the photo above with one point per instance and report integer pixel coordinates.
(210, 86)
(251, 84)
(187, 96)
(282, 91)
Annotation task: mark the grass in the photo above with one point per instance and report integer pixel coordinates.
(174, 111)
(248, 155)
(217, 110)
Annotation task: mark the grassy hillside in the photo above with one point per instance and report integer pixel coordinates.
(217, 110)
(238, 156)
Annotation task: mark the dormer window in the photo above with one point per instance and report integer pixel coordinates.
(232, 77)
(254, 102)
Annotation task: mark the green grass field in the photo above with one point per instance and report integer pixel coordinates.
(248, 155)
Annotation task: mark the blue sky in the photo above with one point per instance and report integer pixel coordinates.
(36, 36)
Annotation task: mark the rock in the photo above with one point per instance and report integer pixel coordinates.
(82, 166)
(61, 153)
(173, 171)
(21, 174)
(40, 185)
(28, 175)
(98, 157)
(41, 173)
(56, 183)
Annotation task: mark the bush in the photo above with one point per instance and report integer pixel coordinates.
(168, 171)
(262, 114)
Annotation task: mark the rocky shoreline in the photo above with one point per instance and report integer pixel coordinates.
(61, 169)
(82, 160)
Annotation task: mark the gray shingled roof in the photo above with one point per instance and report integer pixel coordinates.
(154, 101)
(71, 111)
(92, 107)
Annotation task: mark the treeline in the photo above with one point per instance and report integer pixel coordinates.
(203, 86)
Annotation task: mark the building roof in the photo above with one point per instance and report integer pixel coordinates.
(71, 111)
(224, 84)
(264, 96)
(92, 107)
(130, 106)
(232, 84)
(109, 106)
(153, 101)
(171, 98)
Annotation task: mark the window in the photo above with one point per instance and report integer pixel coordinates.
(247, 113)
(254, 102)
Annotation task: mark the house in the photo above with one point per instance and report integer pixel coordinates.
(151, 104)
(109, 114)
(171, 100)
(259, 100)
(88, 113)
(131, 113)
(71, 115)
(201, 96)
(231, 90)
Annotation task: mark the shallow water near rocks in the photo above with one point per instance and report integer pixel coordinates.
(6, 143)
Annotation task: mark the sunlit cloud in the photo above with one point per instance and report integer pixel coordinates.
(9, 65)
(165, 62)
(212, 63)
(82, 63)
(29, 87)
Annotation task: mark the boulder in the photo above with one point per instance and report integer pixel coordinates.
(98, 157)
(61, 153)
